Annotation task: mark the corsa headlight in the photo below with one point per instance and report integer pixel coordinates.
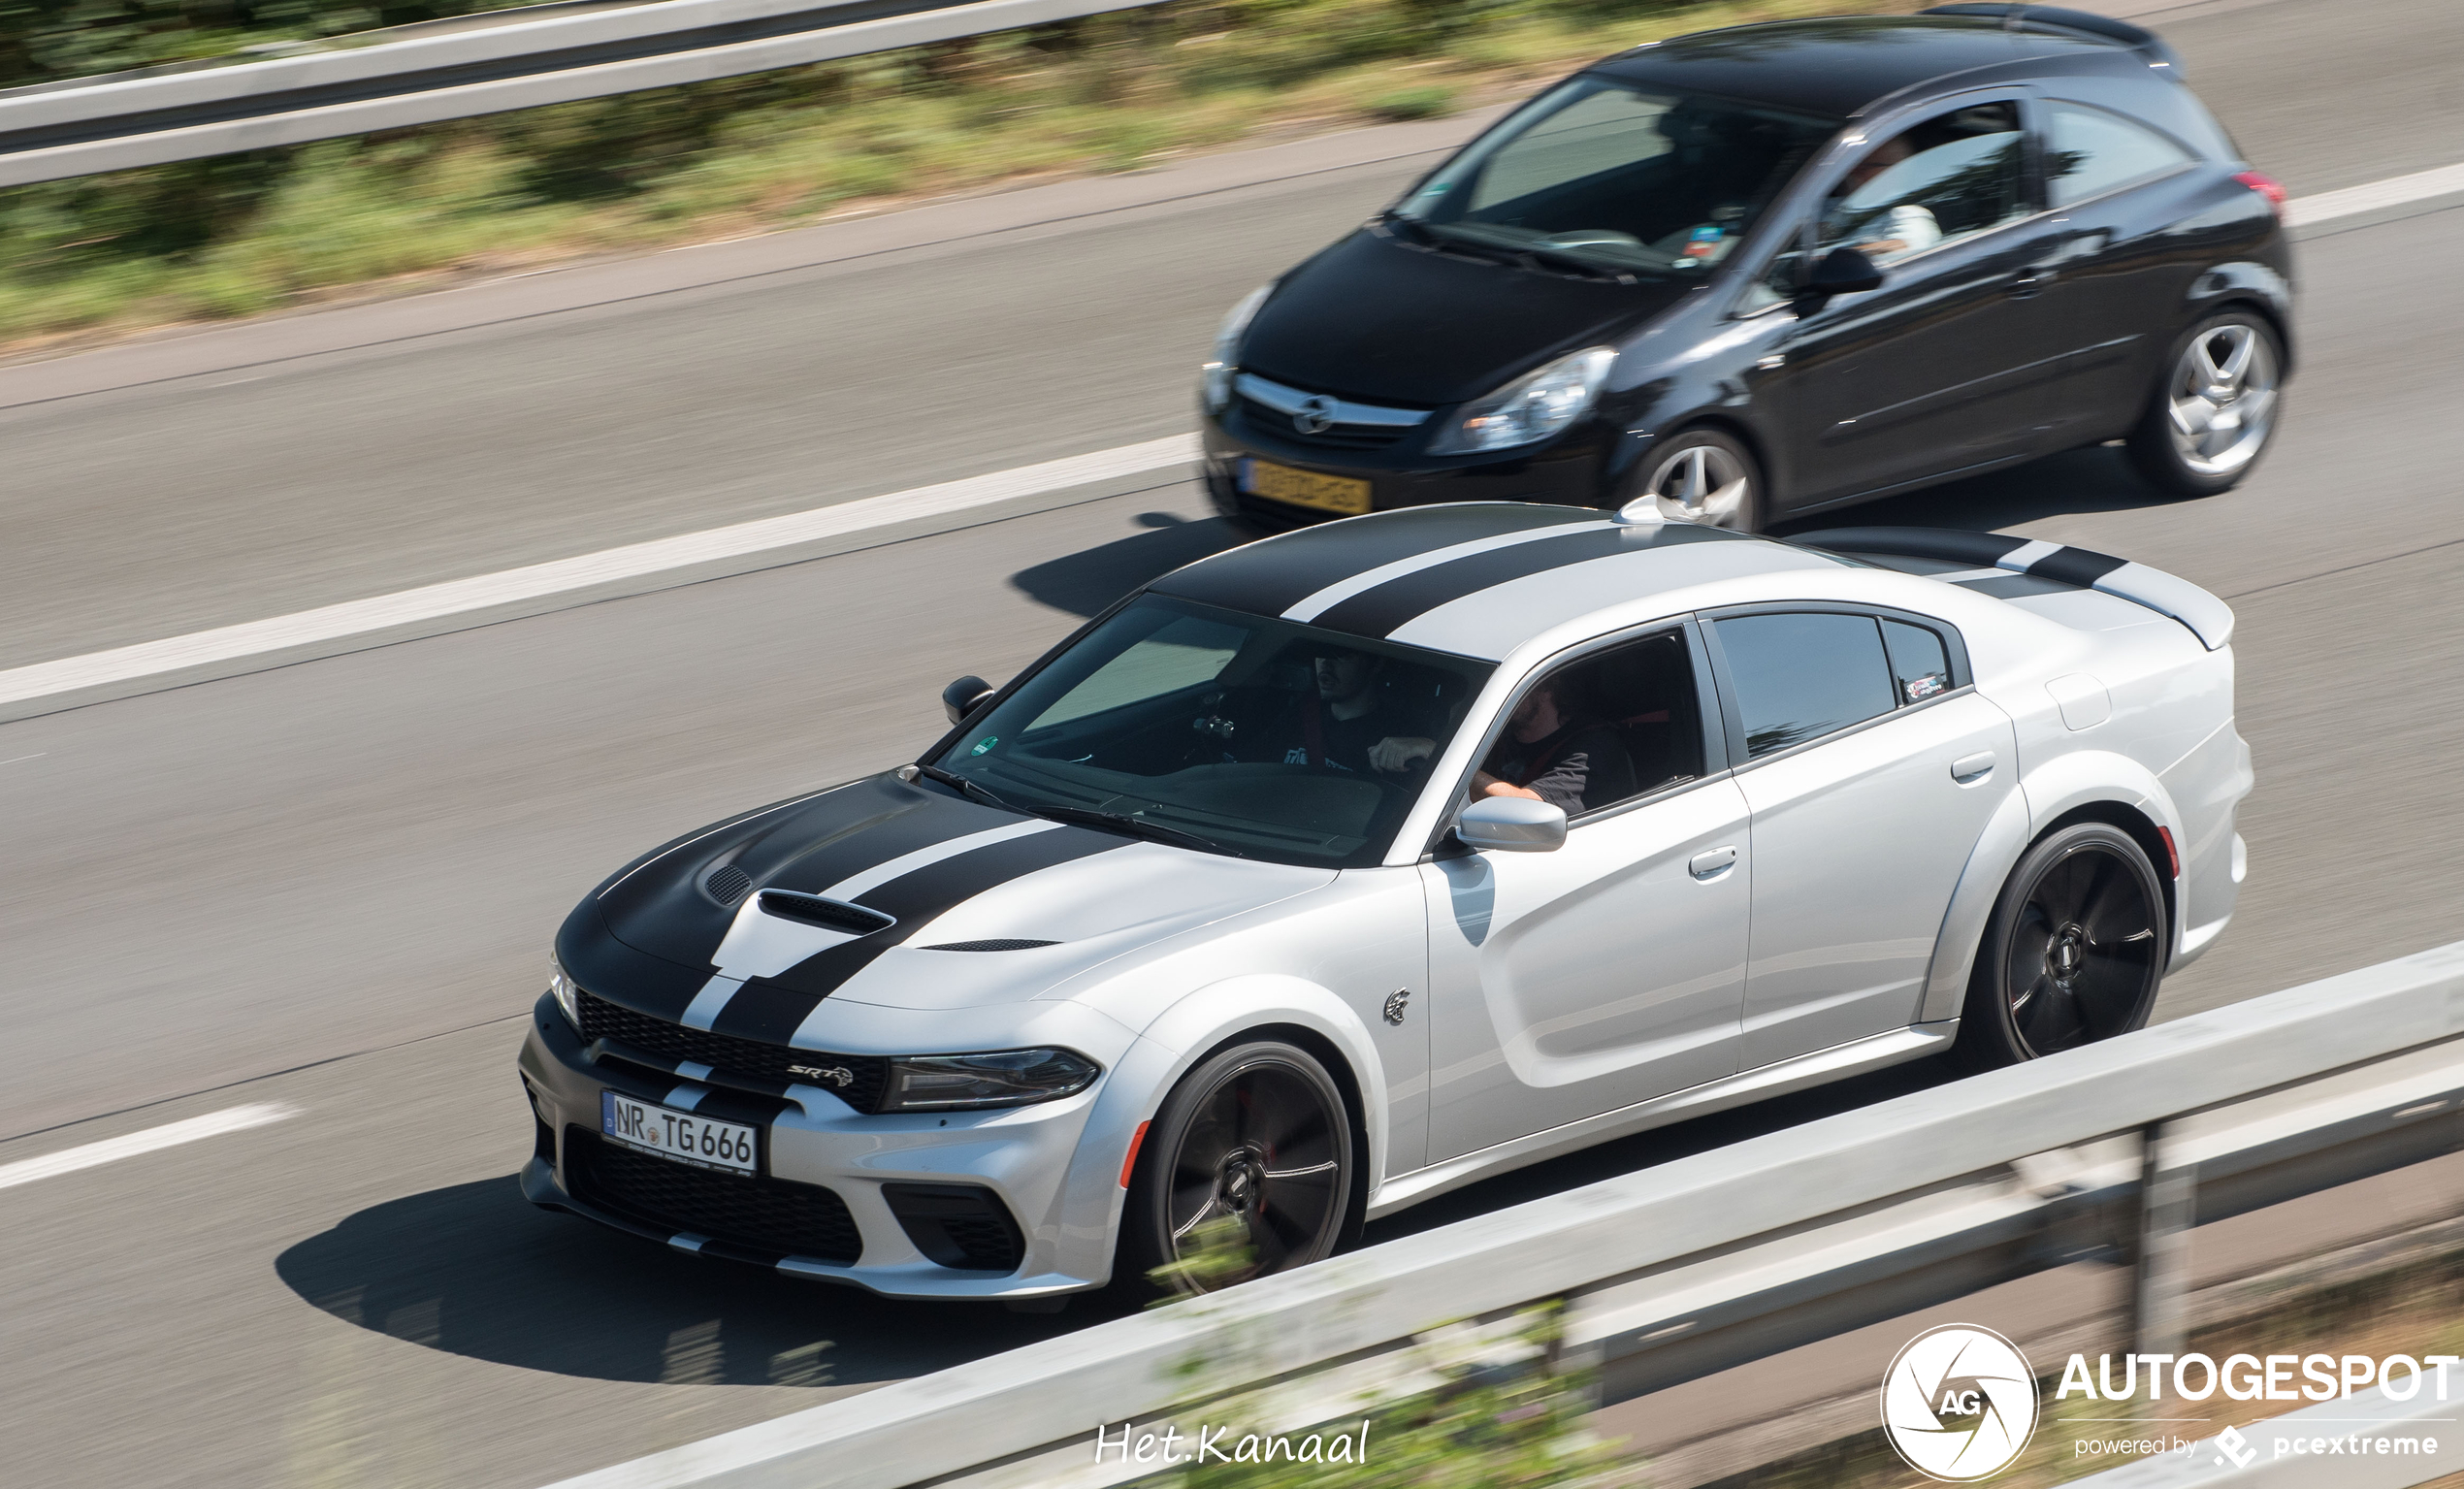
(1529, 408)
(1004, 1078)
(569, 993)
(1218, 372)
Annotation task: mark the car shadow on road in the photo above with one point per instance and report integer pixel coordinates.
(474, 1270)
(2097, 479)
(1085, 583)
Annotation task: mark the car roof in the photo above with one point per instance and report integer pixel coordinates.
(1840, 66)
(1477, 579)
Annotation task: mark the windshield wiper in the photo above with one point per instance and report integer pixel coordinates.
(1573, 263)
(981, 793)
(1087, 816)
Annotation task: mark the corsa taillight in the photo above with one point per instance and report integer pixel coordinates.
(2267, 186)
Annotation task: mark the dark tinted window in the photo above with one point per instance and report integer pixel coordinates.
(1799, 677)
(1919, 666)
(2090, 152)
(1952, 177)
(1629, 726)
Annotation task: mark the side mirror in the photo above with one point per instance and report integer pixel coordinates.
(1843, 271)
(962, 698)
(1512, 824)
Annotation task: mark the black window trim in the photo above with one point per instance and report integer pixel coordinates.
(1710, 707)
(1954, 648)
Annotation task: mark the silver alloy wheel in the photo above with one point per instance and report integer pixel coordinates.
(1701, 483)
(2221, 400)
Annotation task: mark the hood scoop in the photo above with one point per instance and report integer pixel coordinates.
(1003, 945)
(828, 913)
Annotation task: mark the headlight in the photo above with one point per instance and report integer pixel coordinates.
(1227, 349)
(569, 993)
(1006, 1078)
(1528, 408)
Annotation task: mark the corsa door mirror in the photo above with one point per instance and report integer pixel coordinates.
(964, 697)
(1843, 271)
(1512, 824)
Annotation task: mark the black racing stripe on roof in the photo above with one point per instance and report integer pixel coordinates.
(2076, 565)
(1389, 608)
(1979, 550)
(1271, 578)
(772, 1009)
(2013, 586)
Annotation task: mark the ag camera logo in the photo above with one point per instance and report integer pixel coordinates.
(1958, 1402)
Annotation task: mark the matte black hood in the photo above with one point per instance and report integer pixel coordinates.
(1377, 321)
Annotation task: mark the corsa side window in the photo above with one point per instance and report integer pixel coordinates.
(2089, 153)
(1801, 676)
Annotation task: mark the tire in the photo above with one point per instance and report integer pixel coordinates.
(1258, 1133)
(2088, 887)
(1704, 476)
(2216, 411)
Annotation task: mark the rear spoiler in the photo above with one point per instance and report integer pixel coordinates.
(2208, 618)
(2138, 39)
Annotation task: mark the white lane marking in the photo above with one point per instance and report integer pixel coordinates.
(69, 1160)
(1336, 594)
(2370, 197)
(456, 596)
(225, 643)
(15, 759)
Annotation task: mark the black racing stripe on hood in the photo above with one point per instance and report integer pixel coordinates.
(623, 974)
(1271, 578)
(911, 818)
(772, 1009)
(1390, 606)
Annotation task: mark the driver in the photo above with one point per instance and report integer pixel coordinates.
(1905, 228)
(1549, 754)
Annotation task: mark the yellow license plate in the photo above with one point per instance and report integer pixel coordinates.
(1306, 488)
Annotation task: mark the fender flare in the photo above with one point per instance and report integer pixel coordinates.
(2061, 786)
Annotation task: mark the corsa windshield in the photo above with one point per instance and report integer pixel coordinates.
(1622, 178)
(1240, 733)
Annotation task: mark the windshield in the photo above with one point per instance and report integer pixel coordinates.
(1618, 177)
(1240, 733)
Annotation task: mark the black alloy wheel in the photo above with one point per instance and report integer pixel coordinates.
(1706, 477)
(1256, 1136)
(2216, 411)
(2075, 952)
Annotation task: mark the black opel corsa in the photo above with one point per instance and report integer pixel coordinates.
(1760, 272)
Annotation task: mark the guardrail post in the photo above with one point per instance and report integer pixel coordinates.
(2168, 1194)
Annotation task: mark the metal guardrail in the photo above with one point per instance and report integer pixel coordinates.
(482, 64)
(1709, 1260)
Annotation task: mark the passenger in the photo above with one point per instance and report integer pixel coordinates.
(1550, 753)
(1354, 725)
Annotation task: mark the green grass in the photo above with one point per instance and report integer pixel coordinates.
(241, 235)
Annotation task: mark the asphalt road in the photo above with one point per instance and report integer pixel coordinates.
(330, 882)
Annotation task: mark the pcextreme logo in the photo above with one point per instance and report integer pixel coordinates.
(1958, 1402)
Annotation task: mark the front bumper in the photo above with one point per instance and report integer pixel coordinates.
(1572, 470)
(1063, 1203)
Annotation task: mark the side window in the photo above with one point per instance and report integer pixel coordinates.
(1609, 728)
(2089, 153)
(1799, 677)
(1920, 667)
(1952, 177)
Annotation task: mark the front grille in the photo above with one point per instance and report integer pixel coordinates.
(964, 1226)
(1335, 436)
(765, 1064)
(766, 1215)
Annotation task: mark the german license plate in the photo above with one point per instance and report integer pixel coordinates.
(1304, 488)
(679, 1134)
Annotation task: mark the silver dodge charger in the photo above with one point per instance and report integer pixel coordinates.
(1347, 867)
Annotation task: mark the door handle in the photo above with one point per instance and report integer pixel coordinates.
(1712, 864)
(1972, 767)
